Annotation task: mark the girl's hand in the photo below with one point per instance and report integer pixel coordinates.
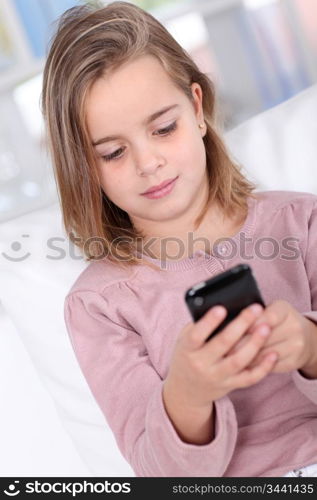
(201, 372)
(293, 338)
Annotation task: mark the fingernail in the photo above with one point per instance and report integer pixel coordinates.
(264, 330)
(272, 357)
(256, 308)
(219, 311)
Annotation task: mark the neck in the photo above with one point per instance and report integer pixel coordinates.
(182, 244)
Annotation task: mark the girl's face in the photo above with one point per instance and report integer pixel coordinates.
(137, 150)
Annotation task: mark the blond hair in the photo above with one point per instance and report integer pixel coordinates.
(90, 40)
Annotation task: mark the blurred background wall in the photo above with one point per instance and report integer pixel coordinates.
(258, 52)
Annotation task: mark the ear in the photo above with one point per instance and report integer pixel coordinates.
(197, 94)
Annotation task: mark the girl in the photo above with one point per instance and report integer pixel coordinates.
(144, 180)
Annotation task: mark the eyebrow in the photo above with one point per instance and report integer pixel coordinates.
(148, 120)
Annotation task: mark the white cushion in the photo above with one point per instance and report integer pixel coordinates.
(32, 292)
(277, 149)
(33, 438)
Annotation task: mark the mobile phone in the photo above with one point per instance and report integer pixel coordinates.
(234, 289)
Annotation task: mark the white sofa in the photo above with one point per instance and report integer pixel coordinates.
(45, 398)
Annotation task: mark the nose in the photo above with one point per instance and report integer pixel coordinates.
(147, 160)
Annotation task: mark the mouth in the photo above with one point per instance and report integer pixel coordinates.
(159, 186)
(163, 191)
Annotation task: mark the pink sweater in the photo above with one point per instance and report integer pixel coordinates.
(123, 325)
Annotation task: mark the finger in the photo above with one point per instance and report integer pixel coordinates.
(280, 348)
(221, 344)
(279, 342)
(200, 331)
(283, 366)
(237, 362)
(272, 341)
(239, 344)
(273, 315)
(281, 332)
(251, 376)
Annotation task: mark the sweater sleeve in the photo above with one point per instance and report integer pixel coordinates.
(309, 386)
(128, 390)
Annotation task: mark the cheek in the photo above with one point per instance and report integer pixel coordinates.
(190, 154)
(104, 182)
(111, 185)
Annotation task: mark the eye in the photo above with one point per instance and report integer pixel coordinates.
(113, 156)
(167, 130)
(161, 132)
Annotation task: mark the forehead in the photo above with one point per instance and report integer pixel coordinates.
(129, 93)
